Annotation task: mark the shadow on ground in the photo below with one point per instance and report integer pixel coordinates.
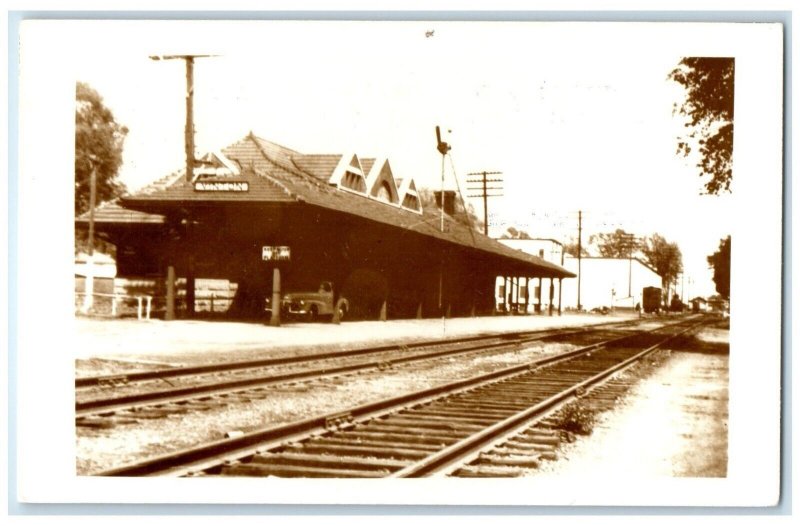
(695, 344)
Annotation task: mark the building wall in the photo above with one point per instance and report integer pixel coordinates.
(607, 282)
(548, 249)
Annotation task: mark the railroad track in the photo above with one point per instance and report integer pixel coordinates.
(106, 401)
(442, 430)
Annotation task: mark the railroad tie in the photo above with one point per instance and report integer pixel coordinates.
(329, 461)
(489, 471)
(266, 470)
(521, 461)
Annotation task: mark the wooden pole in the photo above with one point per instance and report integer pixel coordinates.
(275, 319)
(170, 315)
(559, 296)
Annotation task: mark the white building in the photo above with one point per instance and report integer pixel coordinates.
(607, 282)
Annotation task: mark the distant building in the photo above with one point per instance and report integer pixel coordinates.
(608, 282)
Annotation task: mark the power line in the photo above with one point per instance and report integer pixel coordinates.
(483, 188)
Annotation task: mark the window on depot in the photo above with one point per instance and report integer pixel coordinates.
(385, 192)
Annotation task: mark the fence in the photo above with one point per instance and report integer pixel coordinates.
(145, 306)
(115, 305)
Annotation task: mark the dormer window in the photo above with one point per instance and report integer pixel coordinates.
(354, 182)
(384, 192)
(348, 175)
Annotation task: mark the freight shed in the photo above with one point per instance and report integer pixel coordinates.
(345, 220)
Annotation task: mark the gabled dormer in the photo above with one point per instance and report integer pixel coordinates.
(381, 183)
(409, 197)
(349, 175)
(215, 164)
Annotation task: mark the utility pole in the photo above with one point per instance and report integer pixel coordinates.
(189, 130)
(580, 228)
(190, 160)
(629, 243)
(88, 297)
(484, 190)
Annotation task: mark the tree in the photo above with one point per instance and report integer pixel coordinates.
(98, 144)
(571, 249)
(463, 214)
(720, 261)
(709, 83)
(617, 244)
(513, 233)
(664, 257)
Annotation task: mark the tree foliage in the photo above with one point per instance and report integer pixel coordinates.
(720, 261)
(664, 257)
(571, 249)
(98, 144)
(616, 244)
(708, 107)
(464, 212)
(513, 233)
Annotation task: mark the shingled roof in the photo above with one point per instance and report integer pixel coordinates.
(276, 174)
(111, 212)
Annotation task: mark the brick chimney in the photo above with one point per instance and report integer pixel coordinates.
(449, 201)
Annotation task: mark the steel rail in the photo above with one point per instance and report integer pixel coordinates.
(207, 456)
(156, 374)
(456, 455)
(105, 405)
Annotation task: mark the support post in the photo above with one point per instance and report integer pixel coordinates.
(506, 294)
(527, 293)
(559, 296)
(275, 319)
(170, 314)
(513, 294)
(550, 303)
(539, 298)
(383, 311)
(190, 294)
(419, 310)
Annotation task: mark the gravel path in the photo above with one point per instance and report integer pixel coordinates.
(674, 423)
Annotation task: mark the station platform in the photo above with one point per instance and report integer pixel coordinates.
(190, 341)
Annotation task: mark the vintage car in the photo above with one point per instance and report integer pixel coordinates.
(310, 305)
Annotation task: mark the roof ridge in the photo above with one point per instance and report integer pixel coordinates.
(282, 147)
(295, 171)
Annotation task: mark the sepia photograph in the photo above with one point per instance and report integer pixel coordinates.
(297, 256)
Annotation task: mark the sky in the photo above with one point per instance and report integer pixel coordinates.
(575, 116)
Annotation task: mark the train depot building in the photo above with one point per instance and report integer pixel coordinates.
(258, 215)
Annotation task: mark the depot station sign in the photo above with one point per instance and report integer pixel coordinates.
(275, 253)
(221, 186)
